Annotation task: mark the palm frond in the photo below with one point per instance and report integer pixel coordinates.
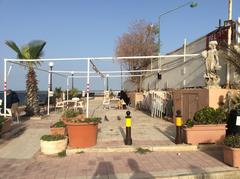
(14, 47)
(35, 48)
(230, 54)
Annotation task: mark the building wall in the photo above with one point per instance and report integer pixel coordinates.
(177, 74)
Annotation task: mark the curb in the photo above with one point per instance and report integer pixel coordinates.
(176, 148)
(232, 174)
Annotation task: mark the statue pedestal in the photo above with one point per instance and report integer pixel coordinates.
(190, 101)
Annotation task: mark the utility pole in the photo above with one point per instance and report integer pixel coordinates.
(229, 38)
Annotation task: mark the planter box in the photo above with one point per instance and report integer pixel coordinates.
(58, 130)
(82, 134)
(211, 133)
(53, 147)
(231, 156)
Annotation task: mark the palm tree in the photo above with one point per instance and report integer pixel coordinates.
(32, 50)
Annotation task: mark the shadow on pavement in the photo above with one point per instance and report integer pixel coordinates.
(137, 172)
(122, 132)
(169, 133)
(104, 169)
(15, 131)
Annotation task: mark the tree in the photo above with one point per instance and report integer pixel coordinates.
(140, 40)
(32, 50)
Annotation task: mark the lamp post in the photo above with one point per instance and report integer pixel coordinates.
(72, 79)
(107, 76)
(51, 64)
(192, 4)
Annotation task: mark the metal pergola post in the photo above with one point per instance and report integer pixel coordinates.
(88, 87)
(88, 70)
(5, 87)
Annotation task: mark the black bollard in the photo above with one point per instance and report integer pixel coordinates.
(178, 139)
(128, 140)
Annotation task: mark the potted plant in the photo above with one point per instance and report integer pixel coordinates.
(207, 126)
(231, 150)
(59, 128)
(53, 144)
(82, 132)
(71, 114)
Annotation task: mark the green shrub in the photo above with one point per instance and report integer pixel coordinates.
(71, 113)
(52, 137)
(209, 115)
(87, 120)
(232, 141)
(59, 124)
(189, 123)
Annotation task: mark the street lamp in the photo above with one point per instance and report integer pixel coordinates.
(107, 76)
(72, 79)
(51, 64)
(191, 4)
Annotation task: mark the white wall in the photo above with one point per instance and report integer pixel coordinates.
(176, 73)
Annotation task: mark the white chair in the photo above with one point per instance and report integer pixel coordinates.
(78, 105)
(60, 105)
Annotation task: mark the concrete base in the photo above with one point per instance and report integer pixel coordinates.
(190, 101)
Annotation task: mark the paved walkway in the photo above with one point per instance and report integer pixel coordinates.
(26, 143)
(146, 131)
(20, 158)
(114, 165)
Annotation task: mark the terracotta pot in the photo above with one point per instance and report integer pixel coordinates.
(58, 130)
(231, 156)
(53, 147)
(6, 126)
(79, 117)
(82, 134)
(209, 133)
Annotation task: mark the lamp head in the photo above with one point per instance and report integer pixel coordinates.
(51, 64)
(72, 72)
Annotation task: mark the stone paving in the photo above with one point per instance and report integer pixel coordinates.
(20, 158)
(113, 165)
(145, 129)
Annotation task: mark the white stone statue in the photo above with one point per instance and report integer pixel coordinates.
(212, 65)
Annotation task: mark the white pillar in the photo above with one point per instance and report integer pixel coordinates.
(88, 66)
(67, 89)
(229, 38)
(184, 60)
(48, 93)
(5, 87)
(184, 50)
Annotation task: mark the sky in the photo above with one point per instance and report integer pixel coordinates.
(90, 28)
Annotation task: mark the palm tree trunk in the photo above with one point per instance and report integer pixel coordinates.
(32, 92)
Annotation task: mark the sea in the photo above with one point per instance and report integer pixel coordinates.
(42, 95)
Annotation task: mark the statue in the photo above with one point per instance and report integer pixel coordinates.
(212, 65)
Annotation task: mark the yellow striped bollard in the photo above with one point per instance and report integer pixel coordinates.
(128, 139)
(178, 138)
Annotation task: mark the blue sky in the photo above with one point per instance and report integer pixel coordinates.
(77, 28)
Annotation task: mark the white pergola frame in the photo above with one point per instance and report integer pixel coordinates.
(88, 59)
